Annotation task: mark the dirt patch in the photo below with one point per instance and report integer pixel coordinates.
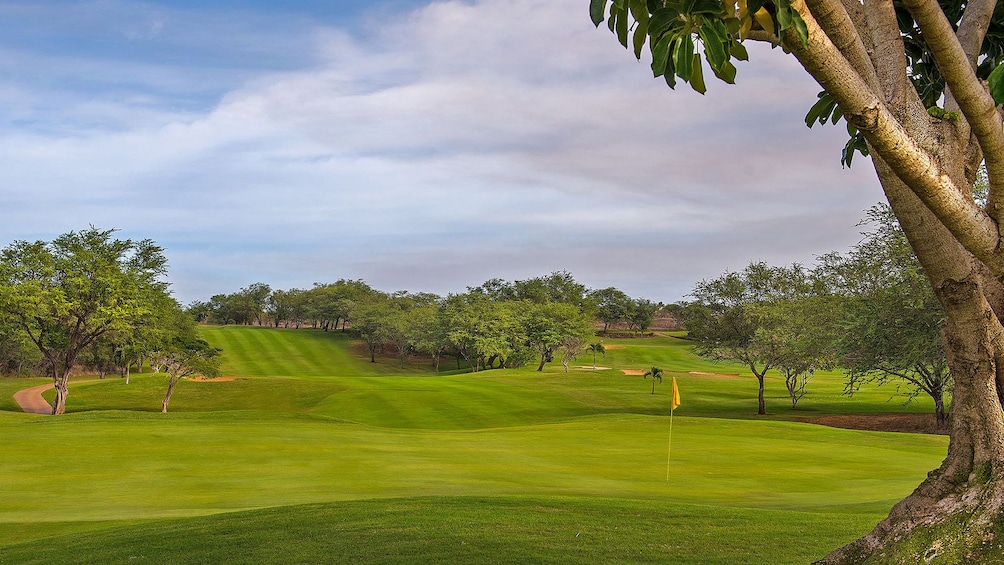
(714, 375)
(605, 347)
(633, 372)
(910, 423)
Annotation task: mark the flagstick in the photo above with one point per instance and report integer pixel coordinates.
(669, 450)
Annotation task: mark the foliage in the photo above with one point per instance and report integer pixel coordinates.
(656, 374)
(740, 316)
(67, 293)
(889, 324)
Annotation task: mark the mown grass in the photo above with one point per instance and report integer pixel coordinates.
(326, 426)
(466, 530)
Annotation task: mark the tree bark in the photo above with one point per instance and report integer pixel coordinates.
(958, 508)
(761, 403)
(171, 381)
(62, 386)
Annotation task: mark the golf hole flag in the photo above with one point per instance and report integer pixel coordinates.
(673, 405)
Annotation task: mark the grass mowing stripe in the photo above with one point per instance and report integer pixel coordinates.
(134, 466)
(466, 530)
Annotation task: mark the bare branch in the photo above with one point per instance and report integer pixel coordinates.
(972, 97)
(973, 27)
(838, 26)
(889, 55)
(857, 14)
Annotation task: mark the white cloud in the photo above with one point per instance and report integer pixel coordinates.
(459, 142)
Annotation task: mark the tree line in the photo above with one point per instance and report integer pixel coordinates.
(493, 325)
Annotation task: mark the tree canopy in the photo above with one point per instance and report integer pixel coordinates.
(67, 293)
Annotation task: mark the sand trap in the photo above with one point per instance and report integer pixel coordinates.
(633, 372)
(591, 368)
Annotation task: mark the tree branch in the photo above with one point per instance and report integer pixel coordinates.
(972, 97)
(887, 136)
(857, 14)
(973, 27)
(889, 55)
(838, 26)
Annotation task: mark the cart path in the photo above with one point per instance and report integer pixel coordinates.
(31, 401)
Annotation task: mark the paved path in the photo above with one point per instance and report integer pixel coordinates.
(31, 401)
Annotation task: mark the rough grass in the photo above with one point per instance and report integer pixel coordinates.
(316, 423)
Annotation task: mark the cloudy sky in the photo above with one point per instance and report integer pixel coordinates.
(418, 145)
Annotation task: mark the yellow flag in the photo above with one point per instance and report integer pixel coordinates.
(676, 395)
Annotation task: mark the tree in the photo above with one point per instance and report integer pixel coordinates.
(550, 324)
(735, 317)
(182, 352)
(570, 348)
(597, 348)
(796, 332)
(884, 66)
(642, 313)
(889, 321)
(656, 374)
(612, 306)
(253, 302)
(83, 285)
(370, 323)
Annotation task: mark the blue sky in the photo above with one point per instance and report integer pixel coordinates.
(423, 146)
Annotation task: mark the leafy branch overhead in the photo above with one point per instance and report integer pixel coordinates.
(679, 31)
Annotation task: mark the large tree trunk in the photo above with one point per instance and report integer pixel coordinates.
(955, 515)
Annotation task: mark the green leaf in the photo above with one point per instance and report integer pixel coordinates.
(670, 74)
(836, 114)
(733, 24)
(660, 55)
(663, 20)
(683, 55)
(697, 76)
(996, 83)
(800, 29)
(727, 72)
(753, 6)
(622, 26)
(822, 107)
(783, 15)
(738, 51)
(702, 7)
(640, 35)
(714, 48)
(597, 8)
(640, 12)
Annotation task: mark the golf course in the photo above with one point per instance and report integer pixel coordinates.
(304, 452)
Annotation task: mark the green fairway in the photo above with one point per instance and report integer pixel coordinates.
(406, 449)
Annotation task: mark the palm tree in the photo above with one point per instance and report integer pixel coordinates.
(597, 348)
(656, 374)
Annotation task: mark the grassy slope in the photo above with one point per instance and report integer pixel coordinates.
(329, 431)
